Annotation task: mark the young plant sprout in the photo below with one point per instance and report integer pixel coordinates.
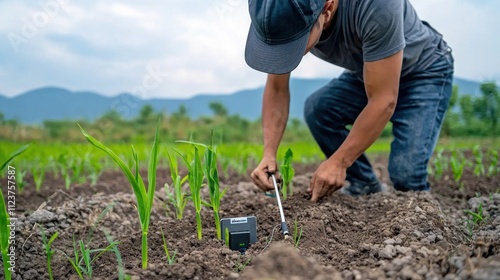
(170, 258)
(240, 264)
(121, 272)
(493, 167)
(475, 218)
(82, 262)
(20, 182)
(457, 163)
(5, 217)
(4, 237)
(297, 233)
(287, 173)
(178, 197)
(38, 173)
(65, 170)
(144, 196)
(478, 157)
(439, 163)
(226, 162)
(94, 169)
(212, 175)
(195, 179)
(48, 251)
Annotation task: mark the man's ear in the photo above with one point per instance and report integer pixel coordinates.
(328, 10)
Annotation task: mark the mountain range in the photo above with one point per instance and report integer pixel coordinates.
(54, 103)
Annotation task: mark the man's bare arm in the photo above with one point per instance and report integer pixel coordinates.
(275, 109)
(381, 80)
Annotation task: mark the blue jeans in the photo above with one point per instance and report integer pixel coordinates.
(422, 102)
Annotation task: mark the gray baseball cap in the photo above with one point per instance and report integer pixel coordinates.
(279, 33)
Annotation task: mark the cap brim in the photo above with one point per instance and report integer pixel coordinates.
(274, 59)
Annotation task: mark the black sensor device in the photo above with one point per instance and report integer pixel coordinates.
(241, 231)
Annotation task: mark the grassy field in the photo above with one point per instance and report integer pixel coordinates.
(44, 153)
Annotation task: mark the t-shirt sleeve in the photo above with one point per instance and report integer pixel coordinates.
(381, 28)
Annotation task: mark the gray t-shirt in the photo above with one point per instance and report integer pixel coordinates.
(369, 30)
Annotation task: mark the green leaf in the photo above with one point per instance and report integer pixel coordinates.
(52, 238)
(172, 160)
(13, 155)
(138, 188)
(192, 143)
(153, 161)
(4, 221)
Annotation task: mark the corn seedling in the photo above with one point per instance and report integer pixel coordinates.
(240, 264)
(77, 168)
(287, 173)
(297, 233)
(243, 166)
(4, 237)
(478, 161)
(48, 250)
(82, 260)
(53, 166)
(5, 243)
(493, 167)
(64, 170)
(20, 182)
(144, 196)
(170, 258)
(121, 272)
(439, 163)
(94, 169)
(38, 173)
(195, 178)
(178, 197)
(212, 175)
(475, 218)
(226, 162)
(457, 163)
(98, 220)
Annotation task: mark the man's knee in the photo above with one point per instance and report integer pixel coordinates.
(408, 174)
(320, 112)
(311, 108)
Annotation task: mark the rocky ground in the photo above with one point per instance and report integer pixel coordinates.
(391, 235)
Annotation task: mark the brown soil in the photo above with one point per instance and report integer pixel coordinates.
(390, 235)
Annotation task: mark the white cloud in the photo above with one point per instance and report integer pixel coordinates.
(471, 29)
(106, 46)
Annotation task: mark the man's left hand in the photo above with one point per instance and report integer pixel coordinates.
(329, 177)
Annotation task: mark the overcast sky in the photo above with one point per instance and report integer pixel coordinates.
(179, 48)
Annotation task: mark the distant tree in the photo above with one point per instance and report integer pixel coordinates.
(146, 114)
(112, 115)
(218, 108)
(2, 118)
(467, 109)
(181, 113)
(491, 104)
(54, 128)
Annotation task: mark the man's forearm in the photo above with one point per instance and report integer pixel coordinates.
(365, 130)
(275, 108)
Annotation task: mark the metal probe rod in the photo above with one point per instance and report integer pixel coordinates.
(284, 227)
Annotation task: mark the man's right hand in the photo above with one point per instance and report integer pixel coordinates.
(260, 175)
